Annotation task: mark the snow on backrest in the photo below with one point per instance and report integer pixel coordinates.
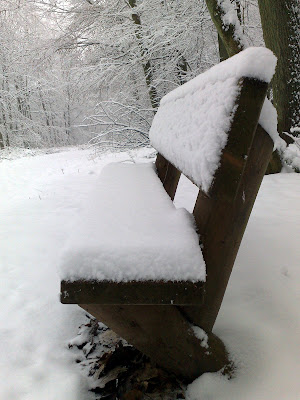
(191, 125)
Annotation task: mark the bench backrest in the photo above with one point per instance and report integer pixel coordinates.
(223, 152)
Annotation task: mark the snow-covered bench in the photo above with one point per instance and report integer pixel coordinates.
(135, 261)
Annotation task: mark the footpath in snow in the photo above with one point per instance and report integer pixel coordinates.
(41, 196)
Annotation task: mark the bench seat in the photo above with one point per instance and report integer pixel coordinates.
(131, 232)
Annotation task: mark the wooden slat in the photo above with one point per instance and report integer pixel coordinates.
(141, 293)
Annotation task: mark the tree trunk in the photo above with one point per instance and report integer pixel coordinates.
(1, 141)
(222, 50)
(227, 31)
(146, 65)
(182, 67)
(281, 29)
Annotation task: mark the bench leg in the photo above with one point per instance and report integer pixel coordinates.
(164, 335)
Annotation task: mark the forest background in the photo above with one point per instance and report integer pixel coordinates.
(93, 71)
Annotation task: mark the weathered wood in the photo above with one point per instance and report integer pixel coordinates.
(133, 292)
(234, 157)
(222, 221)
(165, 336)
(168, 174)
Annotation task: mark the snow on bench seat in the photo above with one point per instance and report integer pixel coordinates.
(131, 231)
(191, 125)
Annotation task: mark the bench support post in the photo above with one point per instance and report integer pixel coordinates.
(222, 216)
(163, 334)
(168, 174)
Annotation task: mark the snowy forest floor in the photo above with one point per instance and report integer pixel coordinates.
(40, 196)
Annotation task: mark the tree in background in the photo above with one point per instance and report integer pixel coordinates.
(134, 53)
(37, 92)
(73, 71)
(281, 30)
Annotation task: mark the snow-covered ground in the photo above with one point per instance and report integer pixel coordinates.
(40, 196)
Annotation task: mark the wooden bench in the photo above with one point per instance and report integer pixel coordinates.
(158, 316)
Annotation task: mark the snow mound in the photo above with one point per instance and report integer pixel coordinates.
(130, 230)
(191, 125)
(259, 320)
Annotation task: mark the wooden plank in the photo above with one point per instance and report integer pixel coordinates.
(146, 292)
(165, 335)
(222, 216)
(168, 174)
